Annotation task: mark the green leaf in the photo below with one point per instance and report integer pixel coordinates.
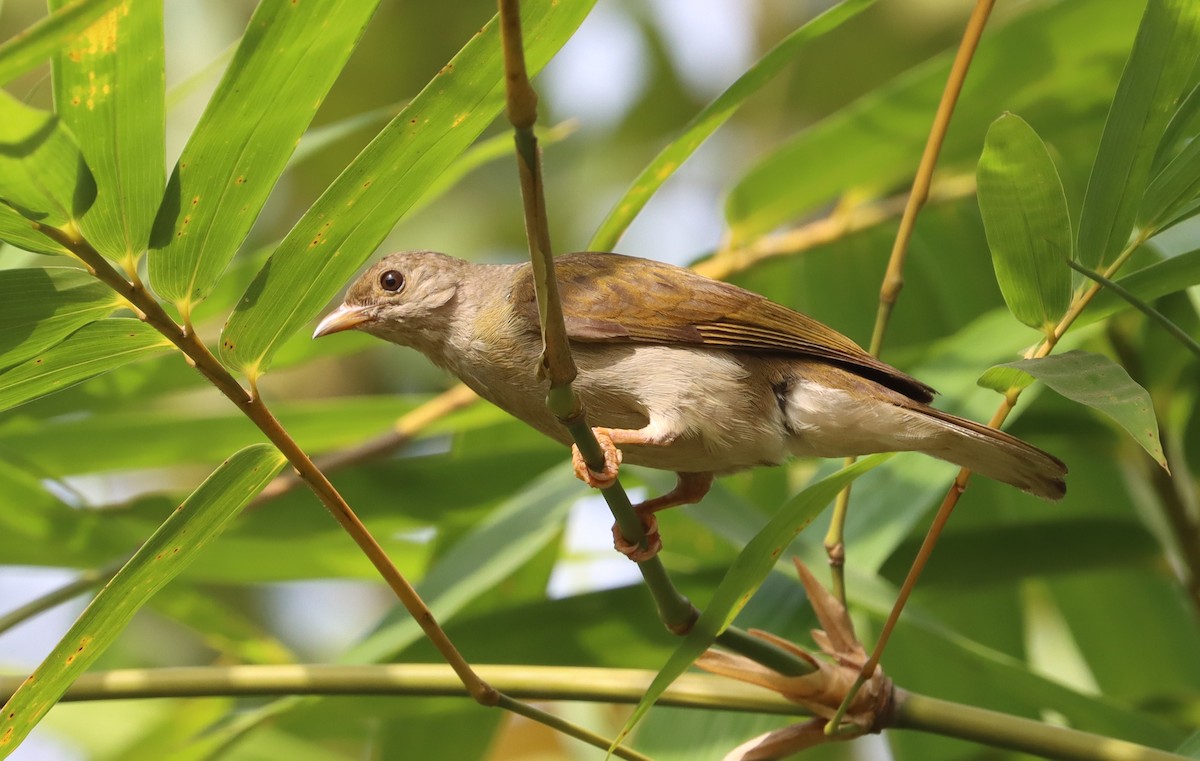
(1024, 210)
(172, 547)
(1158, 71)
(514, 532)
(42, 174)
(1174, 194)
(91, 350)
(508, 538)
(39, 307)
(288, 59)
(1101, 384)
(24, 233)
(108, 89)
(1004, 379)
(65, 445)
(37, 43)
(713, 116)
(484, 152)
(356, 212)
(847, 151)
(746, 574)
(1182, 126)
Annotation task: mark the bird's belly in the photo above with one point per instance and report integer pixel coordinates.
(725, 415)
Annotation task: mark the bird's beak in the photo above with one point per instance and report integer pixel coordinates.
(344, 317)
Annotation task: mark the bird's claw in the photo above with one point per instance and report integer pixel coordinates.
(632, 550)
(612, 462)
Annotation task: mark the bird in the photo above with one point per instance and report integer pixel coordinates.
(676, 371)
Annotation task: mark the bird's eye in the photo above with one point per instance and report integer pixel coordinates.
(391, 281)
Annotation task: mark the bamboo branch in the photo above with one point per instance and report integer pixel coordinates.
(542, 683)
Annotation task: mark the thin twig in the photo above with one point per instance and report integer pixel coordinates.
(77, 586)
(828, 229)
(1043, 349)
(893, 279)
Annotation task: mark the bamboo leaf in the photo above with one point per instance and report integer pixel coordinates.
(1099, 383)
(37, 43)
(23, 232)
(288, 59)
(1174, 194)
(1156, 76)
(108, 89)
(42, 174)
(1182, 126)
(747, 574)
(1025, 216)
(506, 539)
(713, 116)
(199, 520)
(356, 212)
(88, 352)
(847, 152)
(39, 307)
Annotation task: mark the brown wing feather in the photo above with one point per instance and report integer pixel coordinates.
(615, 298)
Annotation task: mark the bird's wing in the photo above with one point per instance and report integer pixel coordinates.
(621, 299)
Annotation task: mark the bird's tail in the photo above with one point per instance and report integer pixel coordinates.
(994, 454)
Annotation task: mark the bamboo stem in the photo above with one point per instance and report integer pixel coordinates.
(893, 278)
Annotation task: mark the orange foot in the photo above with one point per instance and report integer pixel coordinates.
(612, 462)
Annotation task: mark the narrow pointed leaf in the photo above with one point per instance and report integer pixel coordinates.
(713, 116)
(39, 307)
(1182, 126)
(288, 59)
(26, 50)
(23, 232)
(108, 89)
(89, 351)
(199, 520)
(513, 533)
(1156, 76)
(846, 151)
(1025, 216)
(1100, 383)
(1174, 194)
(747, 574)
(42, 173)
(1004, 379)
(357, 211)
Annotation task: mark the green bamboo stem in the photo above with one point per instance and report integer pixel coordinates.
(912, 712)
(999, 730)
(675, 610)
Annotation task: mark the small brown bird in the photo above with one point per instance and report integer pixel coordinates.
(680, 372)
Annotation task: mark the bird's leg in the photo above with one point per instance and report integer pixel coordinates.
(689, 489)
